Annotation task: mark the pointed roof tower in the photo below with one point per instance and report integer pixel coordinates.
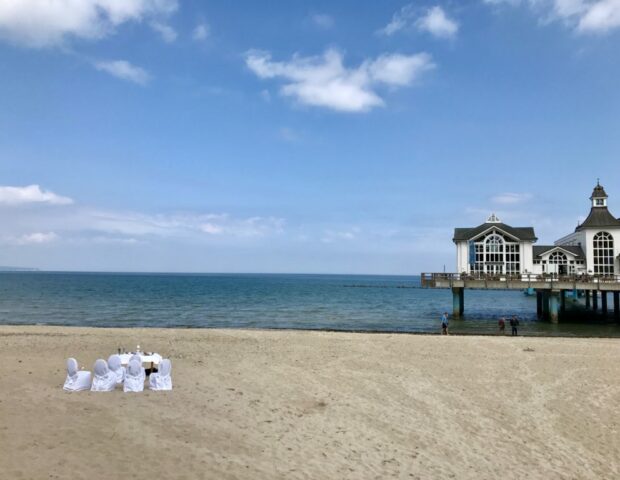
(599, 216)
(599, 196)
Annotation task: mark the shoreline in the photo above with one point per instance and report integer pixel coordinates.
(326, 330)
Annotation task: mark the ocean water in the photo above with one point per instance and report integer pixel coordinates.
(328, 302)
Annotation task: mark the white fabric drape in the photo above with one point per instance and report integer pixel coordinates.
(114, 363)
(76, 380)
(137, 358)
(104, 380)
(162, 380)
(134, 377)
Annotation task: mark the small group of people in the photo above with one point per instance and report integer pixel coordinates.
(107, 376)
(514, 325)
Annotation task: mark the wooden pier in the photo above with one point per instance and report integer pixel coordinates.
(551, 290)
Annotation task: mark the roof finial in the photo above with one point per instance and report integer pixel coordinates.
(493, 219)
(598, 183)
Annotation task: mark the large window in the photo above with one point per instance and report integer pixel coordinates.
(603, 253)
(496, 254)
(560, 259)
(513, 258)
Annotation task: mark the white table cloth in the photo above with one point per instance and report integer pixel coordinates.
(153, 358)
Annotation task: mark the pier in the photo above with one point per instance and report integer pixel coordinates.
(551, 290)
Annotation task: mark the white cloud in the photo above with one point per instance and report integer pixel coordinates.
(322, 20)
(584, 16)
(600, 17)
(124, 70)
(84, 223)
(437, 23)
(45, 23)
(400, 20)
(432, 20)
(201, 32)
(211, 228)
(331, 236)
(510, 198)
(180, 225)
(168, 34)
(106, 240)
(323, 81)
(30, 194)
(34, 238)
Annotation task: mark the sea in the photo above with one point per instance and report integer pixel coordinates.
(368, 303)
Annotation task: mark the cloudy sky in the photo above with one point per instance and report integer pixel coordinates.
(336, 137)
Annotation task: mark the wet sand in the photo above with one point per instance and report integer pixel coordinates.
(315, 405)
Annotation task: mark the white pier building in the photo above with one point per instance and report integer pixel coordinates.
(494, 248)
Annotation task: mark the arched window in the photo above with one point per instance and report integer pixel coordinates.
(495, 243)
(558, 258)
(603, 245)
(494, 246)
(496, 254)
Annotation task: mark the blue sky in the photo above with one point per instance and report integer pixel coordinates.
(331, 137)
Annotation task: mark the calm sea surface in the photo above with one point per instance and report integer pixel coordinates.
(334, 302)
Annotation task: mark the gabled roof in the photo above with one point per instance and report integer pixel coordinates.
(520, 233)
(599, 218)
(539, 250)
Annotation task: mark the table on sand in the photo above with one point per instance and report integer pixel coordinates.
(152, 358)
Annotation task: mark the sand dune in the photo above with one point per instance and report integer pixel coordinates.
(314, 405)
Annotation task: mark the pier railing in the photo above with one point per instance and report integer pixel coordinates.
(443, 280)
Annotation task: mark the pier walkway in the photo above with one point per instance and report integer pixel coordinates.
(551, 290)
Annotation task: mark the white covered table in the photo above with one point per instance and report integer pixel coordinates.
(153, 358)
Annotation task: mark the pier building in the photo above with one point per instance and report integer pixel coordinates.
(496, 255)
(496, 248)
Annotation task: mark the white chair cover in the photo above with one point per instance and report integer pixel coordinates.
(161, 380)
(134, 377)
(76, 380)
(138, 359)
(114, 363)
(104, 380)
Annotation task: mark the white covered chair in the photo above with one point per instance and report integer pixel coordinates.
(161, 380)
(76, 380)
(114, 364)
(104, 380)
(137, 358)
(134, 377)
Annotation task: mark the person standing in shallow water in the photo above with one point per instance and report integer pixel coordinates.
(514, 323)
(444, 323)
(502, 326)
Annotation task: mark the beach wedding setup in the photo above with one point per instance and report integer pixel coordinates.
(121, 370)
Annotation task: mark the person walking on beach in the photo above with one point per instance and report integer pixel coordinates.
(444, 323)
(502, 325)
(514, 323)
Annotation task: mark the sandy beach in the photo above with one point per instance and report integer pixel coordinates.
(316, 405)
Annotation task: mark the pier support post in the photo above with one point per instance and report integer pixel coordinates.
(594, 300)
(545, 304)
(588, 300)
(458, 302)
(575, 294)
(539, 303)
(562, 301)
(554, 301)
(617, 305)
(604, 302)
